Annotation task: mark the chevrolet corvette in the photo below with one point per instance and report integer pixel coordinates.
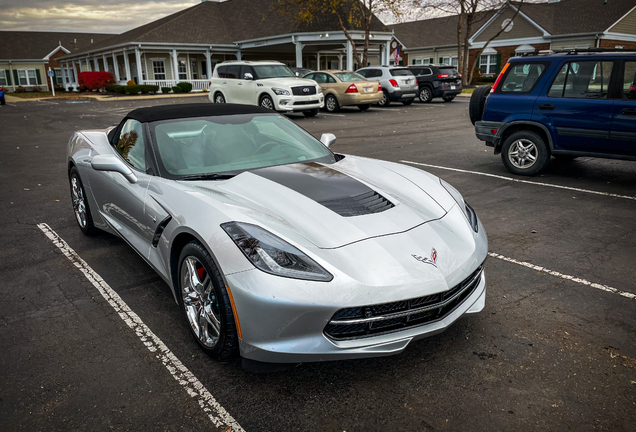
(275, 247)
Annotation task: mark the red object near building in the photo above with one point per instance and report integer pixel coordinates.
(95, 80)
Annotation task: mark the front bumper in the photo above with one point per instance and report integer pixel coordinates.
(299, 103)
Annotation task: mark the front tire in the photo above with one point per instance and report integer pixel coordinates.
(331, 104)
(2, 101)
(385, 101)
(267, 102)
(525, 153)
(218, 98)
(80, 203)
(206, 303)
(311, 113)
(426, 95)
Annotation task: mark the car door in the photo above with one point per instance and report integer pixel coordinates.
(120, 202)
(623, 133)
(245, 90)
(577, 107)
(231, 82)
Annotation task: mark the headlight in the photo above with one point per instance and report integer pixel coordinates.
(318, 89)
(281, 92)
(459, 199)
(273, 255)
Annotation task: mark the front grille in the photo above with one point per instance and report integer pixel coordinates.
(366, 203)
(311, 102)
(365, 321)
(304, 90)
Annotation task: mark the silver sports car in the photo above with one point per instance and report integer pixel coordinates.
(274, 246)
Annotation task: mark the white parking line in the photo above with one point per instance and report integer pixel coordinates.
(605, 288)
(523, 181)
(215, 412)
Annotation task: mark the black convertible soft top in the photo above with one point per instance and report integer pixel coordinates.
(177, 111)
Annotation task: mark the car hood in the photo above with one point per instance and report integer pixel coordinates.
(286, 82)
(331, 205)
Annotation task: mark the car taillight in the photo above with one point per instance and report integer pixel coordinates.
(394, 83)
(631, 89)
(379, 87)
(2, 89)
(352, 89)
(492, 90)
(209, 84)
(442, 76)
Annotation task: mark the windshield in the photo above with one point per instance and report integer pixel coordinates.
(232, 143)
(349, 76)
(401, 72)
(272, 71)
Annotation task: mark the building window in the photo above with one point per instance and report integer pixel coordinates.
(183, 71)
(27, 77)
(418, 61)
(58, 76)
(159, 69)
(3, 78)
(194, 69)
(488, 64)
(454, 61)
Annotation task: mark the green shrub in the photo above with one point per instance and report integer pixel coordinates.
(177, 90)
(132, 89)
(120, 89)
(112, 88)
(489, 79)
(149, 88)
(185, 87)
(143, 89)
(166, 89)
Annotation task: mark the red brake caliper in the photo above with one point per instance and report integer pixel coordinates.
(200, 272)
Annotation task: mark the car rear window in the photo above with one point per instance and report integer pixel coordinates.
(522, 77)
(451, 71)
(582, 79)
(401, 72)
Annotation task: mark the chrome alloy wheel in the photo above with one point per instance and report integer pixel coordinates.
(200, 302)
(523, 153)
(79, 204)
(331, 103)
(383, 101)
(267, 103)
(219, 99)
(425, 94)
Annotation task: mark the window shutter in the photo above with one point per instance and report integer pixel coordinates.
(37, 76)
(7, 73)
(432, 60)
(15, 76)
(478, 61)
(498, 63)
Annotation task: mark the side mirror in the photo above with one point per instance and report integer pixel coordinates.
(113, 164)
(328, 139)
(248, 76)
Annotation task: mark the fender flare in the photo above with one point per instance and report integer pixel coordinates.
(502, 130)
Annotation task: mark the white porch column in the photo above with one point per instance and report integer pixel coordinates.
(340, 61)
(96, 63)
(127, 65)
(318, 61)
(239, 55)
(299, 55)
(63, 72)
(175, 66)
(140, 76)
(88, 65)
(349, 55)
(188, 69)
(208, 64)
(105, 63)
(116, 67)
(387, 52)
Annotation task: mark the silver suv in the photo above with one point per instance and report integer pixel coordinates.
(398, 83)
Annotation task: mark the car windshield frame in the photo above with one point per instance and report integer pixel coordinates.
(323, 154)
(280, 67)
(356, 75)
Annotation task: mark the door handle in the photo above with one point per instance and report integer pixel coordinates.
(224, 82)
(546, 107)
(240, 84)
(629, 111)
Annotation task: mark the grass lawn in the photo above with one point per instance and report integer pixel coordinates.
(468, 90)
(58, 95)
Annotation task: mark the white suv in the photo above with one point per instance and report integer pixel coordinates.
(269, 84)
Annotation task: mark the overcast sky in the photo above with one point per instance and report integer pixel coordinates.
(97, 16)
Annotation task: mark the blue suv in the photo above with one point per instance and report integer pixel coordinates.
(561, 104)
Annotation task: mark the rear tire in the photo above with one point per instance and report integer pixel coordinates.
(364, 107)
(2, 101)
(448, 98)
(525, 153)
(331, 104)
(408, 102)
(207, 308)
(477, 103)
(81, 209)
(425, 95)
(311, 113)
(385, 101)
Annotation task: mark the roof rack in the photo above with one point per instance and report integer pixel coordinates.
(573, 51)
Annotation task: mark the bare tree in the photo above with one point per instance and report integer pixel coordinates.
(349, 13)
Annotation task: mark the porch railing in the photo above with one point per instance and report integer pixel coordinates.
(197, 85)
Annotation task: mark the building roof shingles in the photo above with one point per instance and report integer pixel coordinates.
(32, 45)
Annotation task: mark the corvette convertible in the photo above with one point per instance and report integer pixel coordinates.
(275, 247)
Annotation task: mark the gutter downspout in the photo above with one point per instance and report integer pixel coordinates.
(598, 40)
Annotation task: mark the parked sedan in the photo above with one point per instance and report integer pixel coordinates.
(275, 247)
(346, 88)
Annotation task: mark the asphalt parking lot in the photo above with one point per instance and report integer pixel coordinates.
(554, 349)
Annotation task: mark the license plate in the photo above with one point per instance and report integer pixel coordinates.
(452, 87)
(368, 89)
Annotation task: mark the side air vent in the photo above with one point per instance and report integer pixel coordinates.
(363, 204)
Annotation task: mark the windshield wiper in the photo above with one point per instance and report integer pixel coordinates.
(210, 176)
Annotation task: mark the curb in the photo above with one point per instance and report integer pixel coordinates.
(14, 99)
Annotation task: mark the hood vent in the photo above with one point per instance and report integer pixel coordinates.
(363, 204)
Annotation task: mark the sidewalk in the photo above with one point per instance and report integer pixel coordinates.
(104, 97)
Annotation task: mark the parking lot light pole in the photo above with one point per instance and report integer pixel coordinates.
(299, 55)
